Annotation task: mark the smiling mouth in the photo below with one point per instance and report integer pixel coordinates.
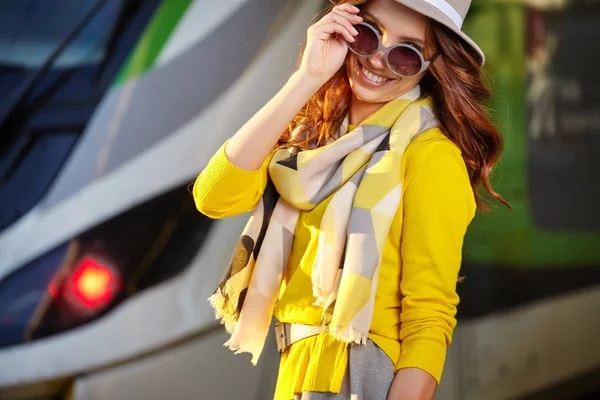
(371, 76)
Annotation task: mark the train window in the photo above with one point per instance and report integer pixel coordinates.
(47, 105)
(30, 30)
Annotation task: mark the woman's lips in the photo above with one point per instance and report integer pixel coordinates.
(366, 81)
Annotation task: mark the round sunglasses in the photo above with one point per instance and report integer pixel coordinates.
(403, 59)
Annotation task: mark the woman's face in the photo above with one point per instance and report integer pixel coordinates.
(397, 24)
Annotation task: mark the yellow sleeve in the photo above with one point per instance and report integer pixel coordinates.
(224, 190)
(438, 206)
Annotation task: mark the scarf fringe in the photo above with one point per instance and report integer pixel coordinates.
(348, 334)
(239, 348)
(224, 311)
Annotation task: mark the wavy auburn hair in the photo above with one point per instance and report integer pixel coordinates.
(455, 81)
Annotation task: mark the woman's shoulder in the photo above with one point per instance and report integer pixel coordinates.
(432, 140)
(434, 148)
(429, 144)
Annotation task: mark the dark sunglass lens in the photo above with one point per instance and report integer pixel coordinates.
(405, 61)
(365, 43)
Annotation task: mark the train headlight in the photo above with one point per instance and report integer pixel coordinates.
(98, 269)
(91, 286)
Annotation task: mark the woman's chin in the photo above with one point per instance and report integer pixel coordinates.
(366, 97)
(367, 94)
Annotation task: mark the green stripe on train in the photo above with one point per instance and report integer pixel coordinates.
(157, 33)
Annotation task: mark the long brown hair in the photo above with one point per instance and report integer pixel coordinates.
(455, 81)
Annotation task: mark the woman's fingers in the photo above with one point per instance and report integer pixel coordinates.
(342, 20)
(351, 17)
(325, 49)
(335, 27)
(340, 17)
(347, 7)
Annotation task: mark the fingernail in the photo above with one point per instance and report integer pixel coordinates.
(355, 31)
(355, 8)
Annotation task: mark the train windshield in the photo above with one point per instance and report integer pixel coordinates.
(47, 101)
(30, 30)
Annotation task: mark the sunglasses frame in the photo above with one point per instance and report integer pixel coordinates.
(386, 51)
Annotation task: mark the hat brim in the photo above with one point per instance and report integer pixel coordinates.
(430, 11)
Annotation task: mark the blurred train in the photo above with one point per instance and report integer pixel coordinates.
(109, 109)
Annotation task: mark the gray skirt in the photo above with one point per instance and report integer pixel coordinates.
(369, 376)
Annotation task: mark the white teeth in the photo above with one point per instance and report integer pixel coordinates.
(372, 77)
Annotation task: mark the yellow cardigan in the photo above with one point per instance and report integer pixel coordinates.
(416, 300)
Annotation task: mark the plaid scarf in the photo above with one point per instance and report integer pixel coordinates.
(362, 171)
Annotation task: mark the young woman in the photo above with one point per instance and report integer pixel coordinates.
(363, 175)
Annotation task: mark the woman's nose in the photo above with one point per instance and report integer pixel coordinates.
(378, 60)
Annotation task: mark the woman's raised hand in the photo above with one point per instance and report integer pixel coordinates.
(324, 54)
(325, 47)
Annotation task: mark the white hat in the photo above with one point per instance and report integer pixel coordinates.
(450, 13)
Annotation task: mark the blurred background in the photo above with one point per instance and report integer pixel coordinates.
(110, 108)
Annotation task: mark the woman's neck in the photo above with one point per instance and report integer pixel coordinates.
(360, 110)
